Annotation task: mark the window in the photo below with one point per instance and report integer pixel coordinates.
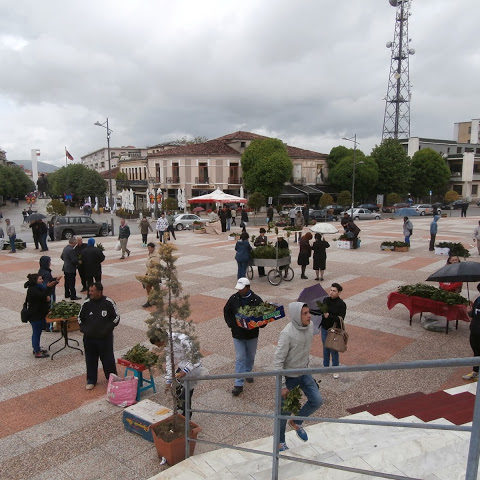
(203, 172)
(459, 149)
(243, 144)
(86, 220)
(175, 172)
(475, 190)
(233, 174)
(157, 173)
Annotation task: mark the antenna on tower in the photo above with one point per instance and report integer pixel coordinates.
(396, 121)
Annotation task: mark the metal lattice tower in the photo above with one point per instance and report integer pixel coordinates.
(396, 121)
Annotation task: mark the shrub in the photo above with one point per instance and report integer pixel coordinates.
(56, 207)
(325, 200)
(393, 198)
(451, 196)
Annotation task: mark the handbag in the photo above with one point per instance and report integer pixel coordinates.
(24, 312)
(337, 338)
(118, 246)
(122, 391)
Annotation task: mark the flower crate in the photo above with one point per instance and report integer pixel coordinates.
(388, 248)
(401, 249)
(347, 244)
(127, 363)
(271, 262)
(442, 251)
(254, 322)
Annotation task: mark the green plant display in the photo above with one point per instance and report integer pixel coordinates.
(264, 308)
(396, 243)
(434, 293)
(19, 244)
(269, 251)
(65, 309)
(100, 246)
(292, 400)
(142, 355)
(293, 229)
(456, 249)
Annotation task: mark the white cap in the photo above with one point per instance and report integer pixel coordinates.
(242, 283)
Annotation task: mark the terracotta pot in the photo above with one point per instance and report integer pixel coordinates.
(174, 451)
(401, 249)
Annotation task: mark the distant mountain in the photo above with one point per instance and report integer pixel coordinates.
(42, 166)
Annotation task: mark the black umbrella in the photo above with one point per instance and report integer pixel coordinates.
(457, 272)
(36, 216)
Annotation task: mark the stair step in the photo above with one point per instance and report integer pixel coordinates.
(411, 408)
(382, 406)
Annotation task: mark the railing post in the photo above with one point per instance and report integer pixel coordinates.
(186, 386)
(276, 425)
(474, 447)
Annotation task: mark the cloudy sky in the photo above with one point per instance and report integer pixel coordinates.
(306, 71)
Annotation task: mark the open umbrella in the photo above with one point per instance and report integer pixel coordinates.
(36, 216)
(457, 272)
(198, 209)
(406, 212)
(323, 228)
(310, 296)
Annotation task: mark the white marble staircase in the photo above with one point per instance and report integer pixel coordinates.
(411, 452)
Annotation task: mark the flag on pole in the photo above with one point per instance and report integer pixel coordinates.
(68, 155)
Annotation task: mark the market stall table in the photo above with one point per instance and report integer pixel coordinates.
(64, 334)
(421, 305)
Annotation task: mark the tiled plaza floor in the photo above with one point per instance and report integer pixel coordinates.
(52, 428)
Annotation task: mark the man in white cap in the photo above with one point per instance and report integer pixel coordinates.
(244, 340)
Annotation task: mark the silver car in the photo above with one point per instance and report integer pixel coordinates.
(185, 220)
(362, 214)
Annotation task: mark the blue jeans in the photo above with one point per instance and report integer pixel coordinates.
(327, 352)
(407, 239)
(229, 221)
(43, 241)
(12, 243)
(314, 400)
(37, 328)
(242, 269)
(244, 357)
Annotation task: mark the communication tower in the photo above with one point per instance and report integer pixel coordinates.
(396, 121)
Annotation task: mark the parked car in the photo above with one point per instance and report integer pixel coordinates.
(371, 206)
(456, 205)
(322, 216)
(185, 220)
(286, 210)
(66, 226)
(337, 209)
(362, 214)
(424, 208)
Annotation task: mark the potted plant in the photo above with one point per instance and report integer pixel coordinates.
(389, 246)
(171, 314)
(64, 311)
(400, 246)
(451, 248)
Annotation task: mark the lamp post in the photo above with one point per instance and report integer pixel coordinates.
(105, 125)
(355, 143)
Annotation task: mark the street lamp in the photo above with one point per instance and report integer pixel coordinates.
(355, 143)
(105, 125)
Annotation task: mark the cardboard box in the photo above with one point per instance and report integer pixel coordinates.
(254, 322)
(138, 418)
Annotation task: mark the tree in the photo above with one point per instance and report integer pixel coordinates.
(56, 207)
(366, 175)
(336, 154)
(344, 198)
(429, 172)
(326, 199)
(393, 198)
(451, 196)
(14, 183)
(256, 201)
(78, 180)
(122, 176)
(266, 166)
(393, 167)
(170, 203)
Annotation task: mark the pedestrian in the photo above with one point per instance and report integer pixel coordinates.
(433, 232)
(233, 213)
(97, 319)
(319, 249)
(123, 234)
(162, 227)
(153, 261)
(228, 215)
(92, 258)
(144, 228)
(171, 221)
(51, 230)
(452, 286)
(45, 271)
(186, 368)
(336, 308)
(281, 243)
(79, 248)
(299, 220)
(407, 230)
(261, 241)
(244, 219)
(476, 236)
(2, 238)
(464, 209)
(25, 216)
(244, 340)
(346, 219)
(223, 218)
(243, 249)
(11, 235)
(293, 352)
(38, 304)
(306, 214)
(35, 232)
(304, 253)
(42, 235)
(70, 261)
(269, 214)
(291, 214)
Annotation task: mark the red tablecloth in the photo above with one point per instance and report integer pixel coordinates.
(420, 305)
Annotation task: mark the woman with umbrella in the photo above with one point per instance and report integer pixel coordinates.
(319, 248)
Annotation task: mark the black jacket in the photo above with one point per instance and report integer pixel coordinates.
(231, 308)
(46, 272)
(98, 318)
(37, 302)
(475, 314)
(92, 258)
(336, 308)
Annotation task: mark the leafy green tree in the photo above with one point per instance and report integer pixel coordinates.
(14, 182)
(326, 199)
(56, 207)
(393, 167)
(344, 198)
(336, 154)
(256, 201)
(393, 198)
(266, 166)
(429, 172)
(170, 203)
(451, 196)
(366, 175)
(78, 180)
(122, 176)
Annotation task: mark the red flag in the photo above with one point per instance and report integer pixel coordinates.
(67, 154)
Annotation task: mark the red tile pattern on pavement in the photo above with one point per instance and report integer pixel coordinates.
(360, 284)
(204, 307)
(415, 263)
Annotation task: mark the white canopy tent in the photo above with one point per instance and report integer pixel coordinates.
(217, 196)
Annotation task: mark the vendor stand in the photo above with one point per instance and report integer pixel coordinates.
(64, 329)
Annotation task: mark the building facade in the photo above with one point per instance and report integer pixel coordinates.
(98, 160)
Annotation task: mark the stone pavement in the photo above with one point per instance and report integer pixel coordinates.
(52, 428)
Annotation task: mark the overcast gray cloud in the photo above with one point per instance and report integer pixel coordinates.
(309, 71)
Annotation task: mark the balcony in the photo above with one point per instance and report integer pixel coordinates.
(202, 181)
(173, 180)
(299, 181)
(131, 183)
(235, 180)
(456, 175)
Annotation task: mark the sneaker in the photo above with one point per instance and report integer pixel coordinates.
(237, 391)
(41, 354)
(299, 430)
(250, 380)
(471, 376)
(89, 386)
(335, 375)
(282, 447)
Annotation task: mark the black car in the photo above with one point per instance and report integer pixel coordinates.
(370, 206)
(322, 216)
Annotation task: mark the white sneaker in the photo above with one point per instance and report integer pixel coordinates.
(89, 386)
(471, 376)
(335, 375)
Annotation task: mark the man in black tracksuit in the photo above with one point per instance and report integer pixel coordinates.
(97, 318)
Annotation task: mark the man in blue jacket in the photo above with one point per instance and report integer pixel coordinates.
(433, 232)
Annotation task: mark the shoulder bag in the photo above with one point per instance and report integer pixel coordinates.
(337, 338)
(24, 312)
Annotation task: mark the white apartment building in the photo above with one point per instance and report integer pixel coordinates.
(98, 160)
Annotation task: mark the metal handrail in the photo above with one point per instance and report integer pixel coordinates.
(474, 445)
